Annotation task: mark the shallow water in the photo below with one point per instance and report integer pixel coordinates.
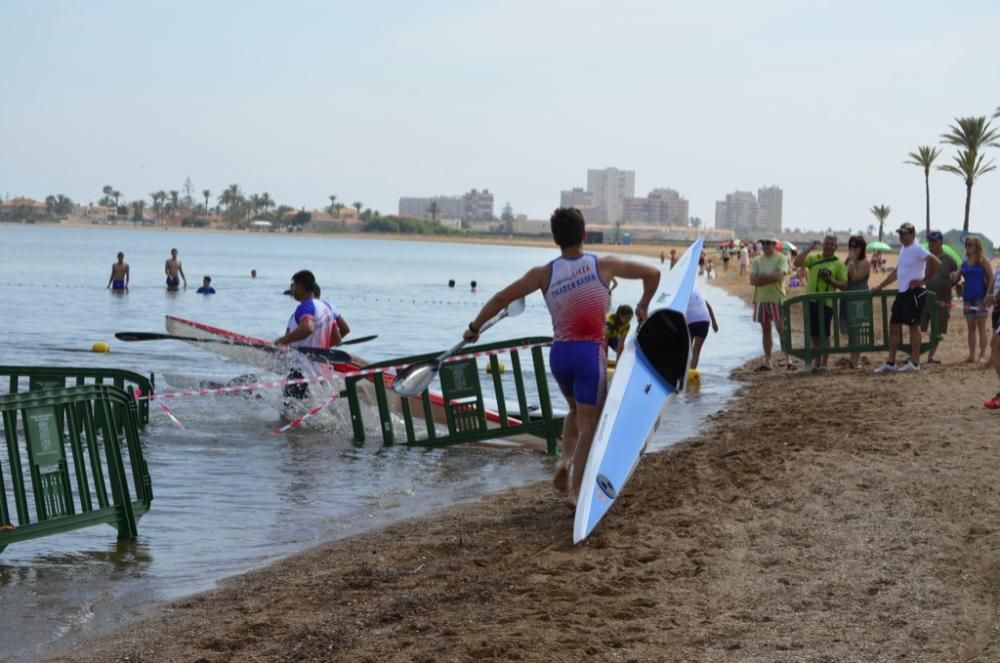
(229, 494)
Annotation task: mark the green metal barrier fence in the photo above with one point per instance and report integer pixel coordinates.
(460, 405)
(63, 466)
(865, 317)
(31, 378)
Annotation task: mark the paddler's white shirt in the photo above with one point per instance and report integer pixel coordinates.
(697, 310)
(324, 316)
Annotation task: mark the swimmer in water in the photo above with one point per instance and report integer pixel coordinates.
(174, 271)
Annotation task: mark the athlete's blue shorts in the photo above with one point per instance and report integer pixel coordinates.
(173, 281)
(118, 284)
(579, 368)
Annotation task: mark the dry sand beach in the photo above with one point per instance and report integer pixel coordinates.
(838, 517)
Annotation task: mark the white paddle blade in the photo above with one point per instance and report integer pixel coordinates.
(409, 383)
(516, 307)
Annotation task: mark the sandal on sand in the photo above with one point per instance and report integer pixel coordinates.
(763, 367)
(932, 360)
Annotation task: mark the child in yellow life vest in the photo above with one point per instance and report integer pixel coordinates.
(616, 326)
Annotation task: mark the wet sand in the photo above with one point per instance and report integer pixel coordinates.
(839, 517)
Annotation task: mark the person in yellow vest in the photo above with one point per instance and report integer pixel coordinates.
(616, 326)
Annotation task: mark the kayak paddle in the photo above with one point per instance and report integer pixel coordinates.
(330, 355)
(415, 378)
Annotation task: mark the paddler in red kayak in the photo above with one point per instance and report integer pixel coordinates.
(575, 287)
(312, 325)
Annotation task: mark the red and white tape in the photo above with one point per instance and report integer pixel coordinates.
(308, 415)
(275, 384)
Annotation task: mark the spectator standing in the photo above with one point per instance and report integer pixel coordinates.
(858, 271)
(744, 260)
(977, 277)
(767, 276)
(941, 285)
(915, 267)
(826, 274)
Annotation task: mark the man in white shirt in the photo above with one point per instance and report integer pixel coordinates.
(916, 266)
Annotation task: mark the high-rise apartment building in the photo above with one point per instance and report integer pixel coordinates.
(661, 207)
(576, 197)
(472, 206)
(769, 208)
(611, 187)
(744, 213)
(478, 206)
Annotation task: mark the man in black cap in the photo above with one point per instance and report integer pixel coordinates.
(941, 285)
(916, 266)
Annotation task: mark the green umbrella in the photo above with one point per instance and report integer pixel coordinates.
(947, 249)
(878, 246)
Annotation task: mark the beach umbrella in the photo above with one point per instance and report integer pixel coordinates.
(878, 246)
(949, 250)
(787, 246)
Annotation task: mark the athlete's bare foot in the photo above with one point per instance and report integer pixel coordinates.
(560, 481)
(570, 501)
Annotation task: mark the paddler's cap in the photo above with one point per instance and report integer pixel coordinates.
(906, 228)
(935, 235)
(769, 239)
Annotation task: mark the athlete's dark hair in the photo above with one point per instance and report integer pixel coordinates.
(568, 227)
(624, 309)
(305, 279)
(317, 291)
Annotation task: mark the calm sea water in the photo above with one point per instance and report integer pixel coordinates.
(230, 495)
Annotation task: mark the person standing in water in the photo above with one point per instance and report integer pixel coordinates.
(699, 316)
(575, 287)
(118, 281)
(174, 271)
(310, 326)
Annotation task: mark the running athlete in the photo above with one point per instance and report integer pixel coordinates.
(118, 281)
(575, 287)
(310, 326)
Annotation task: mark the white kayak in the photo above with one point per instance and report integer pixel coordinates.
(653, 367)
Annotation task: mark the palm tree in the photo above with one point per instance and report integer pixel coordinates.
(137, 209)
(206, 193)
(972, 134)
(358, 207)
(266, 202)
(116, 195)
(924, 157)
(332, 207)
(254, 204)
(174, 200)
(64, 205)
(159, 197)
(230, 196)
(433, 210)
(107, 190)
(881, 213)
(969, 166)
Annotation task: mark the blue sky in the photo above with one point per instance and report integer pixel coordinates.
(375, 100)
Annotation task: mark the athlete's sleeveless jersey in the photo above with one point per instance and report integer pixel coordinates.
(323, 315)
(577, 299)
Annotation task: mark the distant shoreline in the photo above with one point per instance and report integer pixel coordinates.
(648, 250)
